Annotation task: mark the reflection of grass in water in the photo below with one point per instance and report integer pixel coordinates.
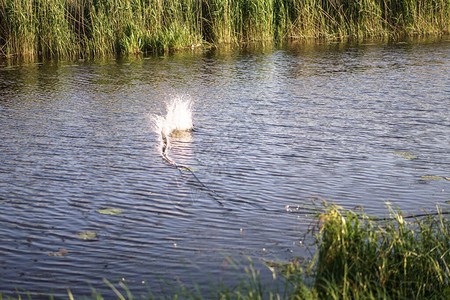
(95, 28)
(357, 258)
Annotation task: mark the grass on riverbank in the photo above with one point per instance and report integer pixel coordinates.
(360, 258)
(357, 258)
(80, 28)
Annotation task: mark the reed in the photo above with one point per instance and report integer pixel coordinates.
(67, 28)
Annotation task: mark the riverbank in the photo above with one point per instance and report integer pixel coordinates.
(363, 258)
(90, 28)
(357, 257)
(360, 257)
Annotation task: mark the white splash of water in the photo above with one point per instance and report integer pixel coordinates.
(178, 121)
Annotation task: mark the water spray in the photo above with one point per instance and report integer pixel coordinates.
(178, 122)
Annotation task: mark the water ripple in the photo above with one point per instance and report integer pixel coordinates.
(276, 128)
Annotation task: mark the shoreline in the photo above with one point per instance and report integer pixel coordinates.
(86, 29)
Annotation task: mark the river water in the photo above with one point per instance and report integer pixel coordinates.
(355, 124)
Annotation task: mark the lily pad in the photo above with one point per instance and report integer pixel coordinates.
(61, 252)
(405, 155)
(431, 177)
(110, 211)
(87, 235)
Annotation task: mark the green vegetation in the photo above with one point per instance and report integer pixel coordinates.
(358, 257)
(80, 28)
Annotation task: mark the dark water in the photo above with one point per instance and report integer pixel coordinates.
(274, 127)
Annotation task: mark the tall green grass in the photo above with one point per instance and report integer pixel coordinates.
(100, 27)
(360, 258)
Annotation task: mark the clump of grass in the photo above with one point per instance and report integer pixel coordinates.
(359, 257)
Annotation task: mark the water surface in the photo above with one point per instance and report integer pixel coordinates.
(273, 127)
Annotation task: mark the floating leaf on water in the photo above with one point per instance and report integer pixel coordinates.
(185, 169)
(87, 235)
(405, 155)
(110, 211)
(431, 177)
(447, 202)
(61, 252)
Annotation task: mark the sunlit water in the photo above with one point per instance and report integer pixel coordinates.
(273, 128)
